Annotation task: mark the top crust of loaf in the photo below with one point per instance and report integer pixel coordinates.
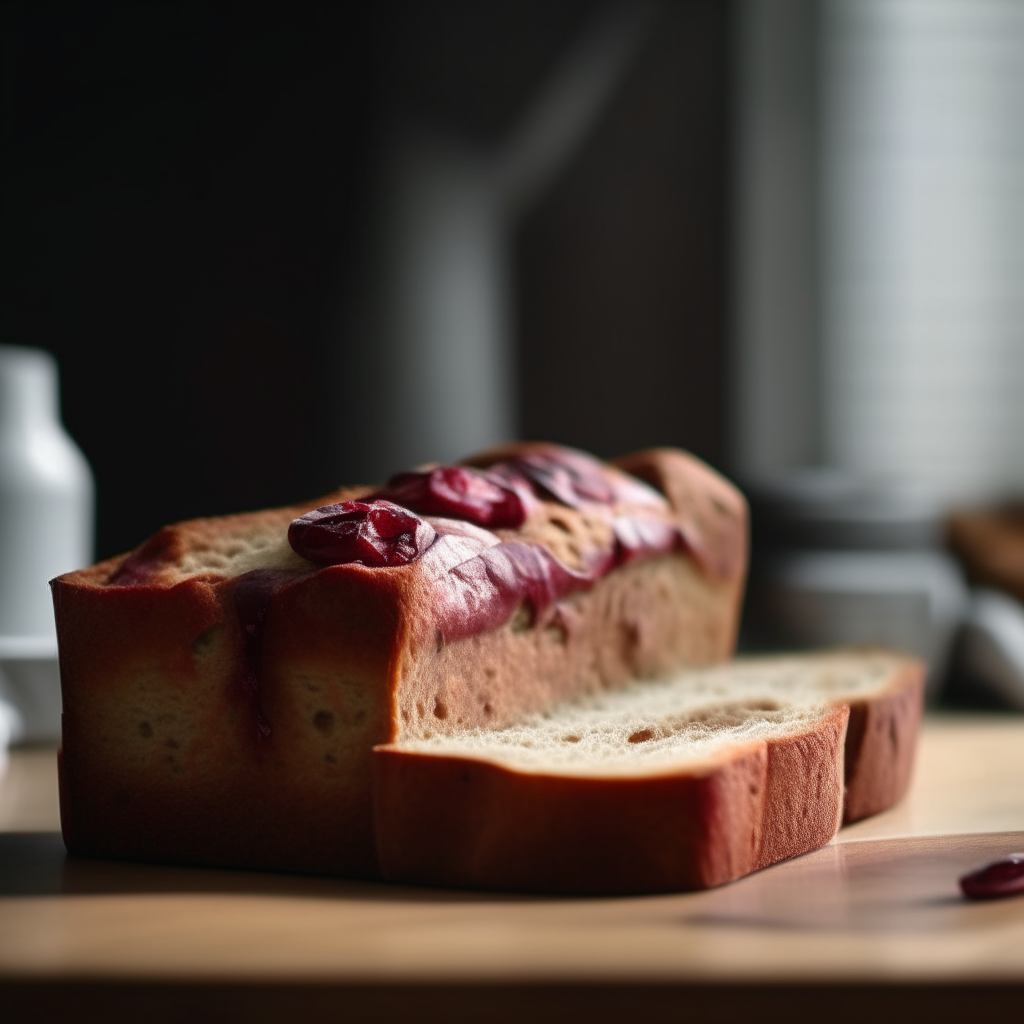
(709, 512)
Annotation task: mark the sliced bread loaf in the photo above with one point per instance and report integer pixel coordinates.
(225, 683)
(677, 785)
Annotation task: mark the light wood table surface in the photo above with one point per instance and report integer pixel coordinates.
(872, 924)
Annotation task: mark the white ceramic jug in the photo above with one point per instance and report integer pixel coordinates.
(46, 528)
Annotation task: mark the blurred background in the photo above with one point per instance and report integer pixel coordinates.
(276, 247)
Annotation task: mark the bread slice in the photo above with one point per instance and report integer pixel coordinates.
(223, 693)
(666, 786)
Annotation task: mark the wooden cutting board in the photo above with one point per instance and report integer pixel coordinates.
(872, 924)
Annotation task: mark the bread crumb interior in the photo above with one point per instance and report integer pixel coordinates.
(689, 718)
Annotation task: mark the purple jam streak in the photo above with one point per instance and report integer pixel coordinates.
(479, 581)
(579, 480)
(376, 533)
(139, 567)
(1003, 877)
(636, 536)
(252, 593)
(483, 592)
(459, 492)
(132, 572)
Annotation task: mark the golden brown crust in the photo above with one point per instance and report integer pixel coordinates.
(880, 743)
(714, 512)
(466, 822)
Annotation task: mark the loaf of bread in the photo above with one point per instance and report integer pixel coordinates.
(657, 787)
(225, 684)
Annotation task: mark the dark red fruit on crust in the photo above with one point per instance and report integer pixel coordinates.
(574, 480)
(483, 592)
(457, 492)
(1000, 878)
(375, 533)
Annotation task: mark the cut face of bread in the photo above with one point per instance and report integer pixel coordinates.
(675, 785)
(645, 728)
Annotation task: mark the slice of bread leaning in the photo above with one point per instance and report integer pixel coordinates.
(677, 785)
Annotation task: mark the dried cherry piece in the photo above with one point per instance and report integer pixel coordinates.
(457, 492)
(374, 533)
(570, 477)
(1003, 877)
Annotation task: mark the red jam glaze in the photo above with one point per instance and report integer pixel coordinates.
(374, 533)
(252, 593)
(138, 568)
(480, 581)
(459, 492)
(483, 592)
(579, 480)
(1000, 878)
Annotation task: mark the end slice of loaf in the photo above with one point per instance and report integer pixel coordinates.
(679, 785)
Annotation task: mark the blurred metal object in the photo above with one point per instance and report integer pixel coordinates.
(46, 528)
(907, 600)
(991, 646)
(823, 508)
(840, 559)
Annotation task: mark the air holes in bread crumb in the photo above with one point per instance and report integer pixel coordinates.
(202, 643)
(570, 739)
(561, 524)
(522, 619)
(440, 709)
(145, 730)
(324, 721)
(557, 632)
(641, 736)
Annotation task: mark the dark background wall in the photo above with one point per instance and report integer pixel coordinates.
(622, 265)
(182, 190)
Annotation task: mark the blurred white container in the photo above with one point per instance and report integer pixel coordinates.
(46, 528)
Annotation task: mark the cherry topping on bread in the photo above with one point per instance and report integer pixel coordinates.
(375, 533)
(574, 481)
(458, 492)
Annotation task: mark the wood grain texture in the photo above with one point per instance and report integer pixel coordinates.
(878, 907)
